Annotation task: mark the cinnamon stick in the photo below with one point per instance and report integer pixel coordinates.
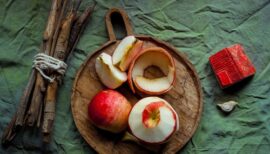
(78, 27)
(18, 119)
(60, 53)
(59, 39)
(58, 26)
(40, 87)
(25, 99)
(51, 24)
(10, 131)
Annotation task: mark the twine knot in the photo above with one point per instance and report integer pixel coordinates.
(43, 62)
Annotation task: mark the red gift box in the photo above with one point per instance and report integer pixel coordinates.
(231, 65)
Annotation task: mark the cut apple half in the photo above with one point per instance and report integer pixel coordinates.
(124, 53)
(109, 75)
(154, 56)
(153, 120)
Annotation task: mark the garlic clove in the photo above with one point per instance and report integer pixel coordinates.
(227, 106)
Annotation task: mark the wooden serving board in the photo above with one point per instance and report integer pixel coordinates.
(185, 97)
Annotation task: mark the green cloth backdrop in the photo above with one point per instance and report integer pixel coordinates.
(198, 28)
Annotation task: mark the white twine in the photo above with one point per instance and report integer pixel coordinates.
(44, 62)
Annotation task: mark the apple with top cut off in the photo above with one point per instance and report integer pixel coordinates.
(153, 120)
(109, 110)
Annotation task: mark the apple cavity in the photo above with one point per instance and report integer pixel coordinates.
(109, 75)
(109, 110)
(153, 120)
(154, 56)
(124, 53)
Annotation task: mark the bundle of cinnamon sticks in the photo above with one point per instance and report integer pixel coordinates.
(37, 104)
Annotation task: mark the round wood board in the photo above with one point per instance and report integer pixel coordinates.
(185, 97)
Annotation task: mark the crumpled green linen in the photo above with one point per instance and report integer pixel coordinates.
(197, 28)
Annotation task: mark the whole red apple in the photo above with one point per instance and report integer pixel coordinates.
(109, 110)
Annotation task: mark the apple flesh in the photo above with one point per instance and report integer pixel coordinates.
(154, 56)
(124, 53)
(152, 120)
(109, 75)
(109, 110)
(127, 59)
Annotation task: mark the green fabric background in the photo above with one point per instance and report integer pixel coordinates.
(198, 28)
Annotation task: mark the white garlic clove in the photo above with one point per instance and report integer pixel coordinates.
(227, 106)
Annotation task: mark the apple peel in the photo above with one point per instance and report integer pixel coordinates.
(154, 56)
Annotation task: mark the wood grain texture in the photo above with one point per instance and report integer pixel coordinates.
(185, 97)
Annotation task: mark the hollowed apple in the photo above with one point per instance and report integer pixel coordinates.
(109, 110)
(109, 75)
(154, 56)
(153, 120)
(124, 53)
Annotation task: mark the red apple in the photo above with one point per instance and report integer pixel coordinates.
(153, 120)
(109, 110)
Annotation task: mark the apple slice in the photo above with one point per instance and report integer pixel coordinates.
(154, 56)
(129, 56)
(109, 75)
(153, 120)
(124, 53)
